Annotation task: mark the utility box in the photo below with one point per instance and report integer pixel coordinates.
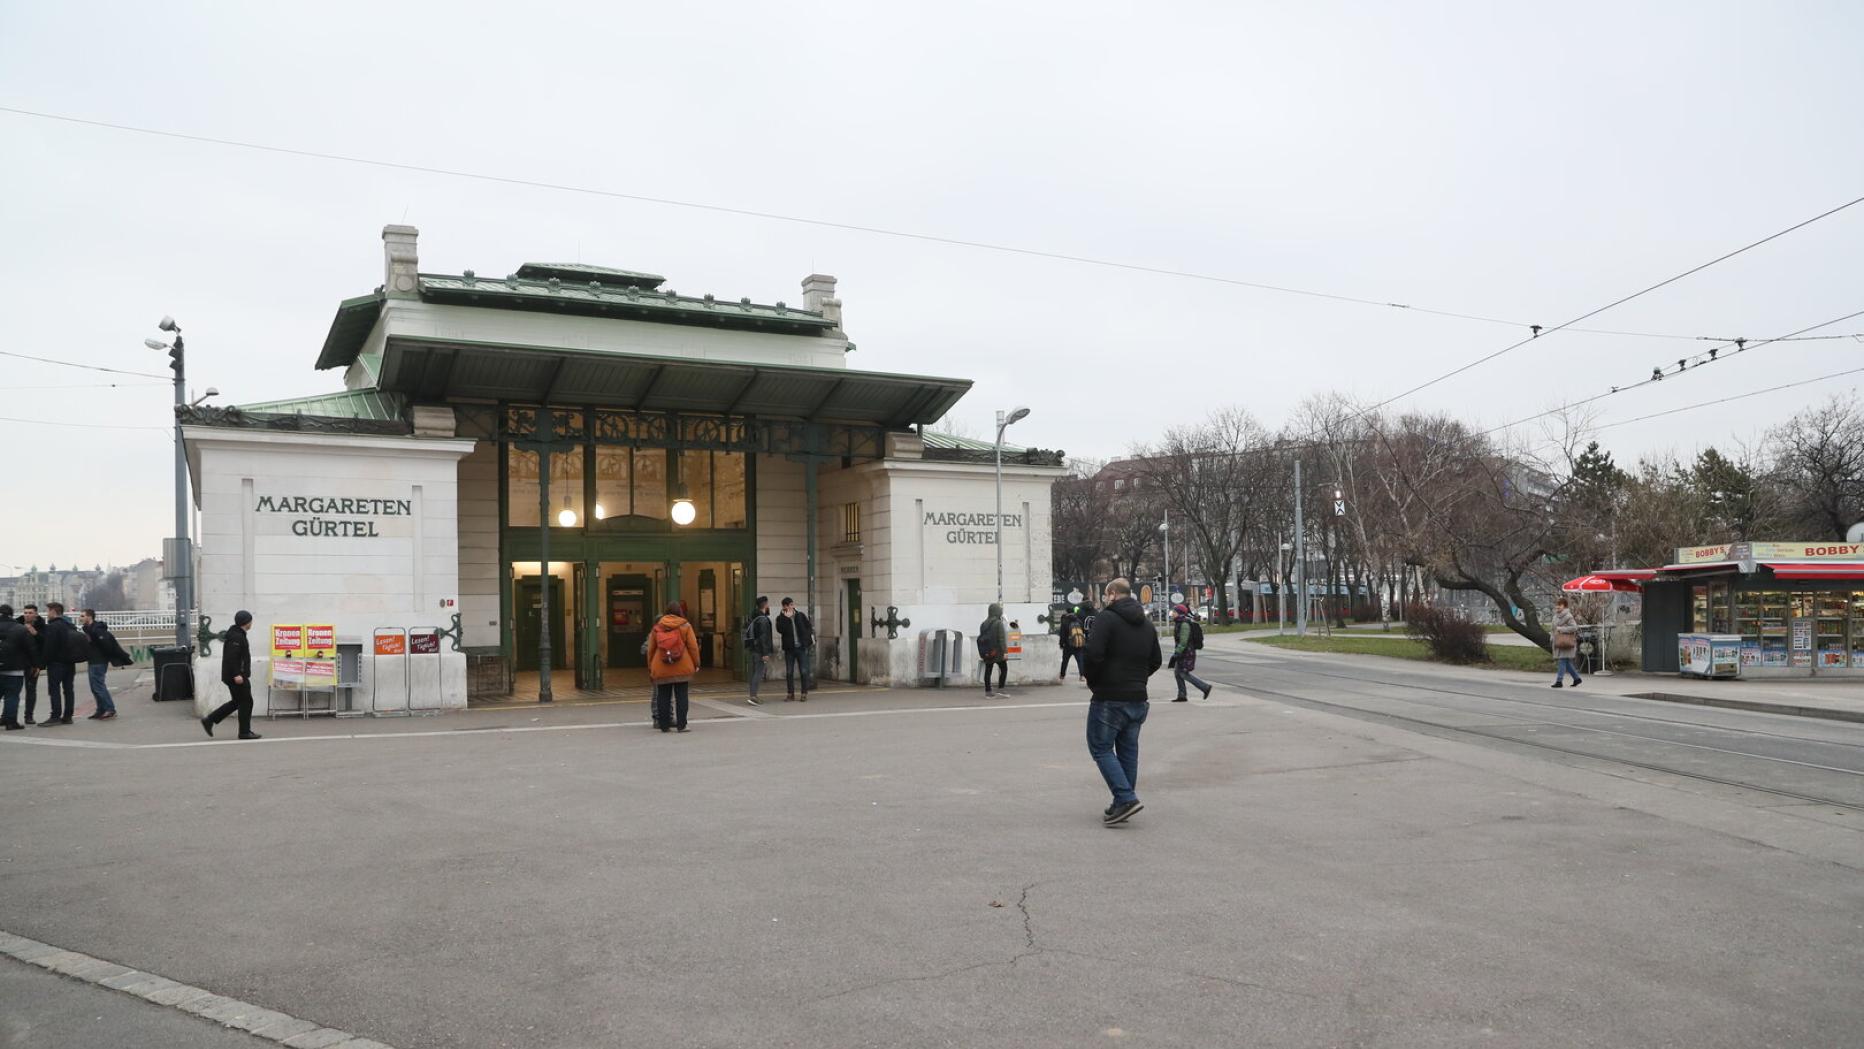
(174, 672)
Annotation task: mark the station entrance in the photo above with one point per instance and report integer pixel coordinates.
(602, 612)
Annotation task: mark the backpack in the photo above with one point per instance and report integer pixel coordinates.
(77, 646)
(750, 633)
(1197, 635)
(1077, 636)
(987, 644)
(670, 646)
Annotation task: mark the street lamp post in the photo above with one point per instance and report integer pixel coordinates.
(1004, 421)
(183, 572)
(1165, 528)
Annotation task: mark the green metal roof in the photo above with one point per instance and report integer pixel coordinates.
(369, 404)
(428, 368)
(350, 328)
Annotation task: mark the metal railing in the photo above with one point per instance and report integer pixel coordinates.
(141, 627)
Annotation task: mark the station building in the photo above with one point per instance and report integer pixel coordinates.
(531, 466)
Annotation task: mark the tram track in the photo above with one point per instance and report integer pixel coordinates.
(1441, 728)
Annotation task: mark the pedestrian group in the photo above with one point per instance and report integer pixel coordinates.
(50, 648)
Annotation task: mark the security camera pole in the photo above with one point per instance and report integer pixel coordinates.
(1003, 423)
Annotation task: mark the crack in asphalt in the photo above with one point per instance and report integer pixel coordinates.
(1030, 950)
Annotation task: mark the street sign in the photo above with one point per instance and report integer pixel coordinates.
(1145, 593)
(1074, 596)
(1339, 508)
(1177, 597)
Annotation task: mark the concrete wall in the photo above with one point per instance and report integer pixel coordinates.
(480, 614)
(400, 571)
(782, 554)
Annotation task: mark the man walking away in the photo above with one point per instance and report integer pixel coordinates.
(798, 636)
(236, 674)
(1073, 640)
(35, 633)
(65, 646)
(16, 658)
(672, 660)
(993, 643)
(1122, 653)
(760, 642)
(1187, 637)
(105, 653)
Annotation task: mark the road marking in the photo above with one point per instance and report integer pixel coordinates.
(160, 991)
(739, 717)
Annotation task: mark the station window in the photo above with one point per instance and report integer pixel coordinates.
(851, 522)
(566, 488)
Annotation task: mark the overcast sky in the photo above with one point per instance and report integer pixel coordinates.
(1528, 165)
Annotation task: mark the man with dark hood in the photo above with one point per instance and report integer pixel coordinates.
(1122, 653)
(236, 674)
(993, 646)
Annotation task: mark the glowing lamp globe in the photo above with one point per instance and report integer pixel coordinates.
(683, 512)
(566, 517)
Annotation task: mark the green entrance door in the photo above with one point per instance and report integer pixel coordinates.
(854, 630)
(630, 599)
(528, 625)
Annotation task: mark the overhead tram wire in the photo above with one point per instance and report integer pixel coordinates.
(1510, 348)
(87, 367)
(1009, 249)
(1735, 397)
(82, 426)
(1698, 361)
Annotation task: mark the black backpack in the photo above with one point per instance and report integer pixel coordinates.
(77, 646)
(1197, 635)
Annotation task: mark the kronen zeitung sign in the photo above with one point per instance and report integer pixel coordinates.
(318, 515)
(964, 528)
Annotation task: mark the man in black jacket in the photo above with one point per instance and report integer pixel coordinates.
(760, 643)
(17, 653)
(798, 636)
(236, 674)
(1122, 653)
(35, 634)
(105, 653)
(63, 646)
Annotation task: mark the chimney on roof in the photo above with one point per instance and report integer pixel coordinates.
(401, 265)
(819, 296)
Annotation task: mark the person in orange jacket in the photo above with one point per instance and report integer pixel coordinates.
(672, 658)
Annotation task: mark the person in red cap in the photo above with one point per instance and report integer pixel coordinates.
(1187, 638)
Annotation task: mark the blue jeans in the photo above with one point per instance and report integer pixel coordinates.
(101, 691)
(1562, 667)
(754, 673)
(1183, 674)
(59, 677)
(799, 664)
(10, 684)
(1113, 741)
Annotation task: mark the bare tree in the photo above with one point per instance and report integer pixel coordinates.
(1819, 466)
(1209, 473)
(1080, 510)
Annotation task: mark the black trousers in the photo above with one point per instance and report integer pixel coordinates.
(1080, 666)
(671, 701)
(59, 678)
(32, 690)
(1003, 673)
(241, 702)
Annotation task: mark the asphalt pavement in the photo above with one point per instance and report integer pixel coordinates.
(1334, 852)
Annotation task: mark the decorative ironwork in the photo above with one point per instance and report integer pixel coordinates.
(215, 415)
(725, 433)
(207, 636)
(893, 622)
(452, 634)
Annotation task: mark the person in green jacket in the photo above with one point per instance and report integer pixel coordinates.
(993, 646)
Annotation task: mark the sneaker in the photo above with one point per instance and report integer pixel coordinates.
(805, 698)
(1207, 689)
(95, 717)
(1577, 682)
(1122, 813)
(30, 720)
(66, 720)
(1181, 699)
(11, 726)
(106, 715)
(791, 698)
(208, 725)
(681, 728)
(250, 735)
(1556, 684)
(49, 722)
(754, 702)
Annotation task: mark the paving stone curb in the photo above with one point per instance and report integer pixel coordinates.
(255, 1020)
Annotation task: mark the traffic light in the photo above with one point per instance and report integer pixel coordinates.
(174, 356)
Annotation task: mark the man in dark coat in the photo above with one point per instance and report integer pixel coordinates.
(35, 635)
(106, 652)
(236, 674)
(798, 636)
(63, 647)
(17, 653)
(760, 643)
(1122, 653)
(1073, 641)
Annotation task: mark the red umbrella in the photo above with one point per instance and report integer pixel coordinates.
(1598, 584)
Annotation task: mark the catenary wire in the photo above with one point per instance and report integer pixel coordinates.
(89, 386)
(1707, 359)
(81, 426)
(1735, 397)
(1011, 249)
(1617, 302)
(87, 367)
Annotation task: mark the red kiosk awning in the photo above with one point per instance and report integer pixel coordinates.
(1800, 570)
(1623, 579)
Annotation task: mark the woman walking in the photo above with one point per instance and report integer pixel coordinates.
(1565, 643)
(672, 659)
